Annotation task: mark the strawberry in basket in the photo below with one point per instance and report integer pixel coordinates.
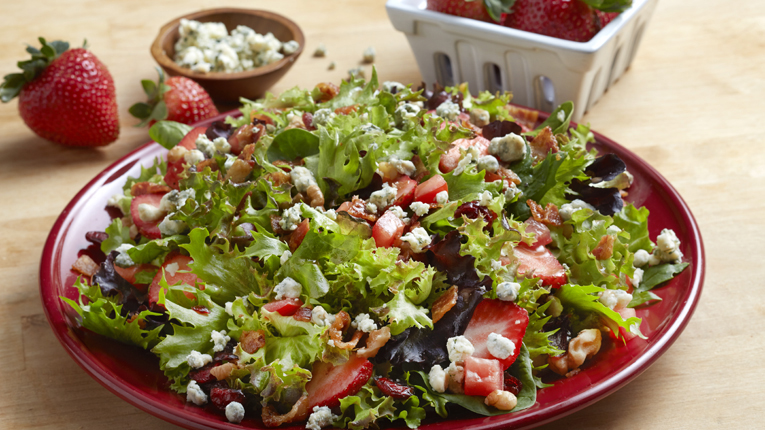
(577, 20)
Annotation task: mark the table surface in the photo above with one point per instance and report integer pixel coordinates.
(691, 105)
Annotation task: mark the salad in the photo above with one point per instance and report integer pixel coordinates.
(359, 254)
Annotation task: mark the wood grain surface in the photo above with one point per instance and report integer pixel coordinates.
(692, 105)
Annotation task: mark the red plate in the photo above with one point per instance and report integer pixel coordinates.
(133, 374)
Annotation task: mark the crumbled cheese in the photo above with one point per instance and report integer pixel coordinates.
(222, 145)
(448, 110)
(405, 113)
(285, 256)
(508, 291)
(357, 72)
(417, 239)
(332, 65)
(567, 210)
(150, 213)
(615, 299)
(171, 268)
(479, 117)
(437, 379)
(175, 199)
(405, 167)
(291, 217)
(194, 394)
(193, 157)
(219, 340)
(205, 145)
(230, 160)
(320, 417)
(290, 47)
(322, 117)
(331, 214)
(229, 306)
(561, 115)
(464, 162)
(364, 323)
(442, 198)
(456, 374)
(668, 247)
(369, 55)
(123, 258)
(393, 86)
(488, 163)
(371, 208)
(641, 258)
(485, 198)
(459, 348)
(512, 192)
(197, 359)
(500, 346)
(320, 51)
(288, 289)
(302, 178)
(496, 265)
(612, 229)
(320, 317)
(234, 412)
(384, 197)
(208, 47)
(419, 208)
(370, 128)
(115, 201)
(509, 148)
(170, 227)
(637, 277)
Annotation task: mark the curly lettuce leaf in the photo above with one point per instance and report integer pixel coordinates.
(365, 408)
(117, 235)
(584, 300)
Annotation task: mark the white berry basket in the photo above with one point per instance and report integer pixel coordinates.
(540, 71)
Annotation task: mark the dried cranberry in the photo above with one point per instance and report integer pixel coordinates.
(201, 310)
(202, 375)
(308, 121)
(473, 210)
(513, 384)
(221, 397)
(96, 237)
(393, 389)
(500, 129)
(303, 314)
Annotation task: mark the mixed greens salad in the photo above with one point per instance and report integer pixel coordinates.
(355, 255)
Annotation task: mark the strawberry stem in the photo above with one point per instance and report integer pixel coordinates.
(31, 69)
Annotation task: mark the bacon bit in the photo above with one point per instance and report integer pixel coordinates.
(297, 236)
(327, 91)
(85, 266)
(239, 171)
(444, 303)
(275, 226)
(252, 340)
(278, 178)
(141, 188)
(262, 117)
(222, 371)
(346, 110)
(508, 174)
(299, 412)
(247, 152)
(357, 208)
(303, 314)
(284, 163)
(605, 248)
(544, 143)
(342, 321)
(141, 322)
(376, 340)
(207, 163)
(548, 216)
(526, 118)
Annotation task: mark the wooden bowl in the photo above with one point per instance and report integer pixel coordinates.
(229, 87)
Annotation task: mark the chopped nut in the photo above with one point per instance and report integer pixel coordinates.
(585, 345)
(222, 371)
(548, 216)
(543, 144)
(315, 196)
(502, 400)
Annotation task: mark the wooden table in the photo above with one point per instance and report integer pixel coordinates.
(691, 105)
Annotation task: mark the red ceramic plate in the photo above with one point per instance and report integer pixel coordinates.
(133, 374)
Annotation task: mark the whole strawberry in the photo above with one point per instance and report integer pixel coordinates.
(482, 10)
(65, 95)
(178, 99)
(576, 20)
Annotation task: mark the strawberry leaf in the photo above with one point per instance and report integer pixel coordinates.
(41, 58)
(168, 133)
(140, 110)
(496, 8)
(149, 87)
(609, 5)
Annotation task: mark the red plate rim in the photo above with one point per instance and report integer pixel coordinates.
(664, 337)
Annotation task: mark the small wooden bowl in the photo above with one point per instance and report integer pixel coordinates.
(229, 87)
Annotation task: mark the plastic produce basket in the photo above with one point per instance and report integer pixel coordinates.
(541, 71)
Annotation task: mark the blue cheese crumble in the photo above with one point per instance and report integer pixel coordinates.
(417, 239)
(459, 348)
(500, 346)
(219, 340)
(196, 359)
(448, 110)
(419, 208)
(364, 323)
(194, 394)
(234, 412)
(291, 217)
(288, 289)
(320, 417)
(509, 148)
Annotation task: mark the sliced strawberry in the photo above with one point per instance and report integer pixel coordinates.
(626, 313)
(172, 176)
(129, 273)
(540, 263)
(405, 188)
(285, 308)
(189, 141)
(482, 376)
(541, 233)
(148, 228)
(426, 192)
(451, 158)
(175, 275)
(330, 383)
(497, 316)
(387, 229)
